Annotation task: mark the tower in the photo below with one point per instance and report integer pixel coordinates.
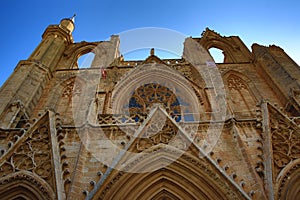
(185, 128)
(20, 93)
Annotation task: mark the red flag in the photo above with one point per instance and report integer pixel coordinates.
(103, 73)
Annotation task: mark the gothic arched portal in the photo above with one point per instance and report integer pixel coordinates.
(185, 178)
(25, 185)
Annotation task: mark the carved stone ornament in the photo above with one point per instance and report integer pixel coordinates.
(72, 89)
(235, 82)
(26, 181)
(160, 131)
(285, 141)
(32, 153)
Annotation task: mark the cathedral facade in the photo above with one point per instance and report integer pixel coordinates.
(185, 128)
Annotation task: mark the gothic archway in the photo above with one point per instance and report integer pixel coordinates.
(242, 93)
(70, 92)
(156, 75)
(186, 178)
(288, 181)
(25, 185)
(76, 50)
(232, 47)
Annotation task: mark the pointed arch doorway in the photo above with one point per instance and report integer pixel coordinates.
(186, 178)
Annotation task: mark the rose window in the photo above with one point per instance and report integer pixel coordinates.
(147, 95)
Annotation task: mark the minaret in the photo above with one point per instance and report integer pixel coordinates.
(55, 39)
(25, 85)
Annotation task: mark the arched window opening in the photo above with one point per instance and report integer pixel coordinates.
(217, 55)
(147, 95)
(70, 99)
(242, 100)
(85, 60)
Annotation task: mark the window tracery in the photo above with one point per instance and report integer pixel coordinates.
(145, 96)
(32, 155)
(285, 142)
(242, 100)
(235, 82)
(72, 89)
(70, 98)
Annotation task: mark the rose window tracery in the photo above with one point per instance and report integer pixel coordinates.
(147, 95)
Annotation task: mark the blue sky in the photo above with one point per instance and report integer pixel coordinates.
(257, 21)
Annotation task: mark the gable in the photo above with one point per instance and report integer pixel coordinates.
(34, 153)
